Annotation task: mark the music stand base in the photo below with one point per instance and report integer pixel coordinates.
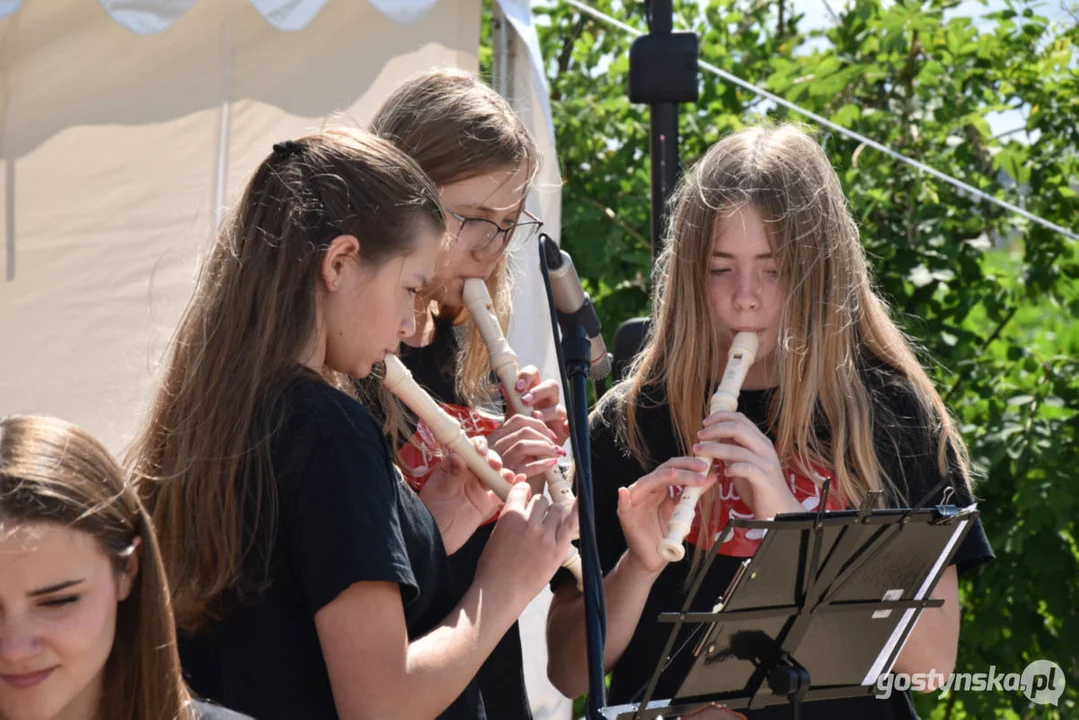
(792, 681)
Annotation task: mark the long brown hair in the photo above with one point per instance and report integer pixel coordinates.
(832, 324)
(456, 128)
(52, 471)
(203, 454)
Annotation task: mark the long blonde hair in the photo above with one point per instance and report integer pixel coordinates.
(832, 323)
(52, 471)
(456, 128)
(203, 455)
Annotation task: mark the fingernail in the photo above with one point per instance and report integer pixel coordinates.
(562, 451)
(550, 462)
(527, 398)
(520, 385)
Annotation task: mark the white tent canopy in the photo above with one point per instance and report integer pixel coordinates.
(126, 128)
(119, 151)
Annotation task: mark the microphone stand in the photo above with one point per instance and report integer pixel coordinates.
(574, 361)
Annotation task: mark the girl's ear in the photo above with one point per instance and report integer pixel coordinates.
(343, 249)
(126, 581)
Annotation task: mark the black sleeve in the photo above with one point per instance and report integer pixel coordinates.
(341, 515)
(907, 450)
(612, 468)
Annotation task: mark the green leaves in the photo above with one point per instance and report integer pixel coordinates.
(1012, 160)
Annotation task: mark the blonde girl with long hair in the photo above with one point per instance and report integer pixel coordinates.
(309, 580)
(86, 629)
(468, 140)
(760, 241)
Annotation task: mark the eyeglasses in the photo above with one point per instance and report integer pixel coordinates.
(480, 235)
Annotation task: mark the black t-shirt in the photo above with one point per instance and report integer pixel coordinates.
(434, 366)
(910, 462)
(343, 516)
(501, 678)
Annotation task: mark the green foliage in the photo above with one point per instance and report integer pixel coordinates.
(999, 324)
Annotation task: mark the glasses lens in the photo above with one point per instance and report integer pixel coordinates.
(476, 233)
(524, 232)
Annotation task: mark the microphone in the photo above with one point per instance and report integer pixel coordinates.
(571, 299)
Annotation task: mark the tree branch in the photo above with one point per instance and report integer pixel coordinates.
(610, 213)
(985, 346)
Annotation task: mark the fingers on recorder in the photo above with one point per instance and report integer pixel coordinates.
(544, 397)
(527, 447)
(532, 537)
(680, 471)
(646, 506)
(494, 460)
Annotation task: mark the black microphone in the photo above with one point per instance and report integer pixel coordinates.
(571, 299)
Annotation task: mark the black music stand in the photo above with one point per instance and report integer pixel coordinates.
(820, 611)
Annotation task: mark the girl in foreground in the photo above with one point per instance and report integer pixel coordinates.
(468, 140)
(86, 629)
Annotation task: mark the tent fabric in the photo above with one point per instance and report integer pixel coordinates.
(119, 153)
(530, 328)
(148, 17)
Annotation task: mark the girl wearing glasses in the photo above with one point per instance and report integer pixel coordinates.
(479, 155)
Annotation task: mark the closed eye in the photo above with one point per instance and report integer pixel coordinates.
(62, 601)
